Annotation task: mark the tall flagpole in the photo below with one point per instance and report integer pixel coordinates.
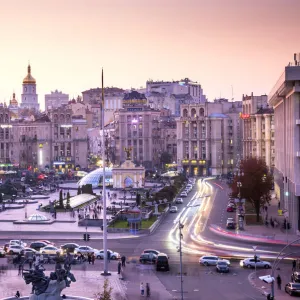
(105, 271)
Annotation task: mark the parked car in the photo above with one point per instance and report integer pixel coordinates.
(148, 258)
(183, 194)
(156, 252)
(230, 209)
(295, 277)
(85, 250)
(230, 224)
(28, 251)
(250, 263)
(179, 200)
(292, 288)
(162, 262)
(14, 249)
(49, 250)
(173, 209)
(17, 242)
(68, 248)
(222, 266)
(48, 242)
(211, 260)
(113, 255)
(2, 252)
(38, 245)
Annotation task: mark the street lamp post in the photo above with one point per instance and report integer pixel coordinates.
(181, 226)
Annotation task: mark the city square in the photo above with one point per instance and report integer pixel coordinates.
(150, 150)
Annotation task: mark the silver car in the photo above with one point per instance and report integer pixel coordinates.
(250, 263)
(211, 260)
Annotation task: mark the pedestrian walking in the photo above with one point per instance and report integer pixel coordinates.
(148, 290)
(17, 295)
(142, 289)
(119, 267)
(108, 256)
(89, 258)
(294, 265)
(93, 258)
(278, 279)
(30, 263)
(20, 269)
(123, 260)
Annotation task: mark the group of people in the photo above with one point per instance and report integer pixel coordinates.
(90, 211)
(145, 291)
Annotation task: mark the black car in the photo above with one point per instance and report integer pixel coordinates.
(222, 266)
(295, 277)
(148, 258)
(37, 245)
(69, 247)
(162, 262)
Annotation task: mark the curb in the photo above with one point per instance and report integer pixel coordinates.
(251, 281)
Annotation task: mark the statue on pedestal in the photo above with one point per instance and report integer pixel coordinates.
(128, 152)
(49, 287)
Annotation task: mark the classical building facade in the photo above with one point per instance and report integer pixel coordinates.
(56, 140)
(285, 99)
(258, 129)
(171, 94)
(136, 127)
(209, 137)
(6, 138)
(29, 96)
(55, 99)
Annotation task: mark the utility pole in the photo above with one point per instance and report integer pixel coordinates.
(105, 271)
(180, 251)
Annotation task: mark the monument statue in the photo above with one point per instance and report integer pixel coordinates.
(128, 152)
(49, 287)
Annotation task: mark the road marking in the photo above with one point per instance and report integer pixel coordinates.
(174, 290)
(196, 290)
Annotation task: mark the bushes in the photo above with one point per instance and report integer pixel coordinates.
(87, 189)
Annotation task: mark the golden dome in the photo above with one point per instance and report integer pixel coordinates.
(29, 79)
(14, 101)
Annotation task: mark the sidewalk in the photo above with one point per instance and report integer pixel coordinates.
(285, 273)
(135, 273)
(259, 233)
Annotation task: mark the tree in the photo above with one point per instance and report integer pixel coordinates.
(61, 200)
(79, 191)
(106, 294)
(166, 158)
(256, 183)
(138, 199)
(68, 201)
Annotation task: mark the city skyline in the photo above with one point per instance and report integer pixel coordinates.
(233, 46)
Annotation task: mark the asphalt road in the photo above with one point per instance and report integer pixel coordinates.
(199, 282)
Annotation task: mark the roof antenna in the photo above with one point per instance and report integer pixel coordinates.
(232, 93)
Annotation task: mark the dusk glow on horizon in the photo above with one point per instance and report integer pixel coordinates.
(228, 46)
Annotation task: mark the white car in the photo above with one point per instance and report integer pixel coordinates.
(173, 209)
(29, 251)
(179, 200)
(49, 250)
(14, 249)
(183, 194)
(250, 263)
(85, 250)
(17, 242)
(113, 255)
(211, 260)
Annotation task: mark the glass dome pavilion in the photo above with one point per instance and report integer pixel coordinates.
(95, 177)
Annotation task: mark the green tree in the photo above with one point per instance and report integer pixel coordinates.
(256, 183)
(138, 199)
(61, 200)
(106, 293)
(166, 158)
(68, 201)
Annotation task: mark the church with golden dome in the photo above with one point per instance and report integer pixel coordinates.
(29, 97)
(14, 107)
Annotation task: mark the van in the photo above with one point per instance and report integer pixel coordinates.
(162, 262)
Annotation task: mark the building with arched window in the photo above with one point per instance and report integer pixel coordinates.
(209, 137)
